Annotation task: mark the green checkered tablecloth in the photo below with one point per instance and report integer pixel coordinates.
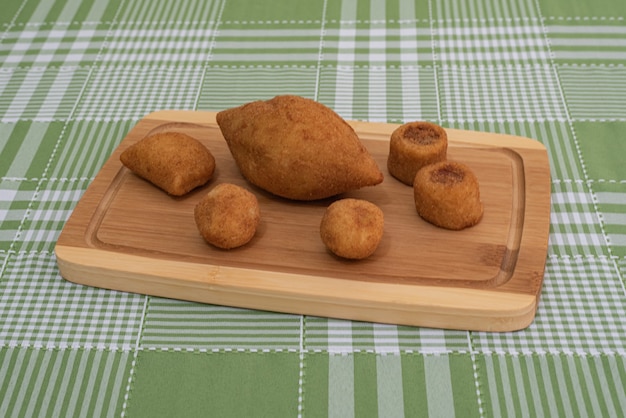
(75, 76)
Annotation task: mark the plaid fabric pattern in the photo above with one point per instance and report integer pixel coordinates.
(75, 77)
(41, 310)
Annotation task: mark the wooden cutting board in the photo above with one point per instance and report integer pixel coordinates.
(126, 234)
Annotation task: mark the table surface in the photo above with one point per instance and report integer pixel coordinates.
(76, 76)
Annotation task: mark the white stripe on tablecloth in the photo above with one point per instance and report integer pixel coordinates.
(604, 385)
(377, 79)
(96, 11)
(519, 378)
(23, 158)
(35, 393)
(611, 198)
(81, 368)
(562, 386)
(64, 383)
(10, 367)
(493, 387)
(617, 380)
(388, 371)
(590, 385)
(508, 385)
(389, 384)
(618, 239)
(344, 83)
(572, 376)
(340, 386)
(438, 387)
(549, 389)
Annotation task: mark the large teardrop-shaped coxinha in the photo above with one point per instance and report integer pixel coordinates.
(297, 148)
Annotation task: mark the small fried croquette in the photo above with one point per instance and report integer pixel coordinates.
(297, 148)
(172, 161)
(352, 228)
(447, 195)
(228, 216)
(414, 145)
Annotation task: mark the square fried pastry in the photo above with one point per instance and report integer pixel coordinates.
(173, 161)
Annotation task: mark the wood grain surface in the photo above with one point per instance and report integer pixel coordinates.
(126, 234)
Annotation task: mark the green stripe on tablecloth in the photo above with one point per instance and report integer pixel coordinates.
(122, 93)
(553, 385)
(611, 197)
(606, 166)
(345, 89)
(595, 92)
(221, 384)
(588, 42)
(9, 12)
(164, 10)
(85, 147)
(389, 385)
(159, 44)
(365, 384)
(43, 94)
(230, 86)
(28, 148)
(36, 382)
(280, 46)
(598, 10)
(316, 385)
(174, 324)
(484, 11)
(54, 45)
(413, 386)
(490, 44)
(508, 92)
(341, 336)
(288, 13)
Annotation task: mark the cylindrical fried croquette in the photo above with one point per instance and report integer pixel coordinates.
(173, 161)
(352, 228)
(447, 194)
(228, 216)
(414, 145)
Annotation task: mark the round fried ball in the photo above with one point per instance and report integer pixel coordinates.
(228, 216)
(413, 146)
(352, 228)
(447, 195)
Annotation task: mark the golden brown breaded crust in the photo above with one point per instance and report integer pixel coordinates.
(352, 228)
(228, 216)
(447, 194)
(297, 148)
(414, 145)
(172, 161)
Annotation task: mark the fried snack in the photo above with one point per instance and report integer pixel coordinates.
(414, 145)
(447, 195)
(228, 216)
(352, 228)
(172, 161)
(297, 148)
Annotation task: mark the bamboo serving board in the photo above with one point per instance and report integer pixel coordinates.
(126, 234)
